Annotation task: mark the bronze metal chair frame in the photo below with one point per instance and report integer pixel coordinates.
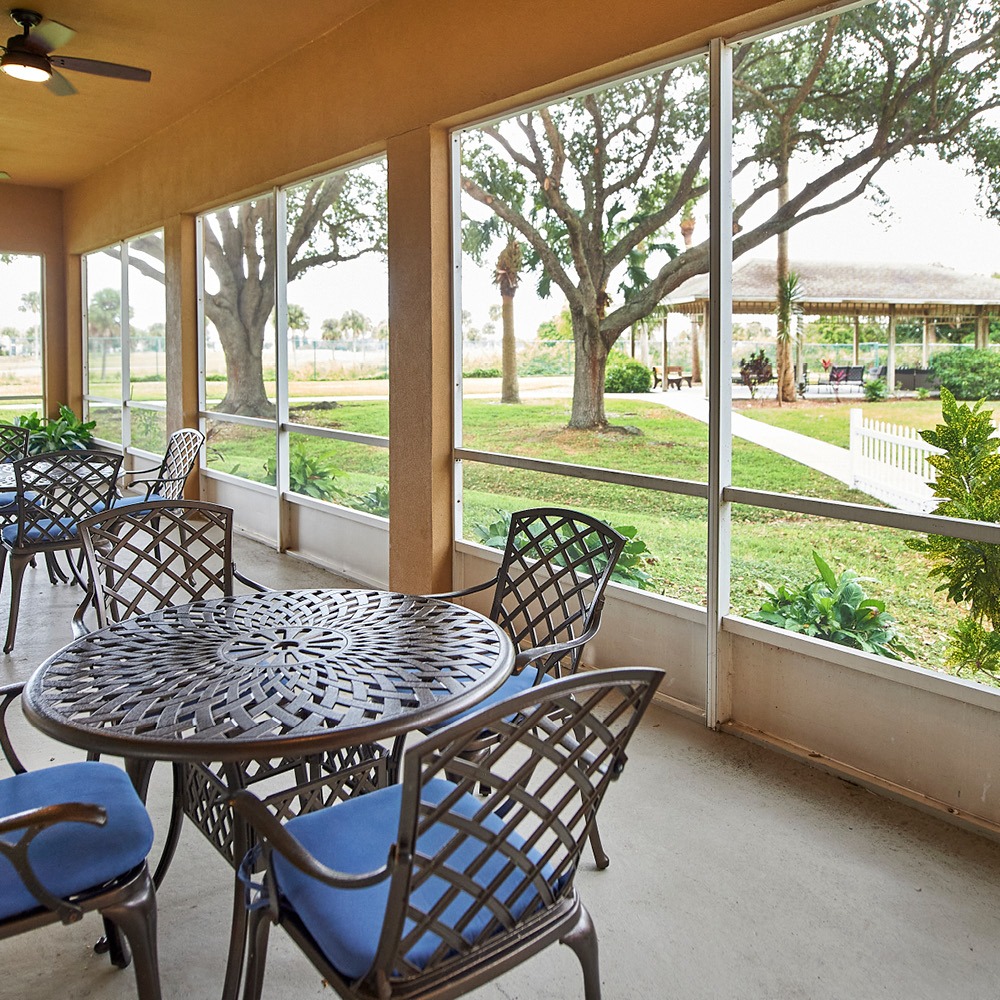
(548, 594)
(558, 747)
(55, 491)
(128, 902)
(167, 479)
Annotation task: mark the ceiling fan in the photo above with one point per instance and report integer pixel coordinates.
(26, 56)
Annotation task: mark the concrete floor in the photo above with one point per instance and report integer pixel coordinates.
(735, 873)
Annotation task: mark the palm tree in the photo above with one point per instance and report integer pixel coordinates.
(506, 276)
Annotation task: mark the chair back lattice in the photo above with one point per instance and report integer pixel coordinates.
(59, 490)
(153, 555)
(13, 442)
(550, 586)
(499, 866)
(178, 461)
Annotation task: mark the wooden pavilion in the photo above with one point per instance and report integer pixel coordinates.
(927, 292)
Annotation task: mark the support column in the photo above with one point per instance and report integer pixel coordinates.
(856, 347)
(925, 352)
(421, 378)
(982, 331)
(891, 359)
(180, 269)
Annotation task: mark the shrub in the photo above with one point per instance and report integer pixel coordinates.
(62, 433)
(307, 475)
(876, 389)
(483, 373)
(968, 374)
(833, 608)
(968, 486)
(375, 501)
(633, 376)
(628, 570)
(755, 371)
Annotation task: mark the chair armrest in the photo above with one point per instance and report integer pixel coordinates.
(462, 593)
(526, 656)
(269, 830)
(30, 823)
(135, 475)
(8, 692)
(247, 582)
(62, 812)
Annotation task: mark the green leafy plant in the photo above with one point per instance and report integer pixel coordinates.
(63, 433)
(876, 389)
(755, 371)
(375, 501)
(628, 570)
(833, 608)
(968, 374)
(632, 376)
(307, 475)
(482, 373)
(968, 486)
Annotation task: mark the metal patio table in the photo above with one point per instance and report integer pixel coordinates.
(243, 681)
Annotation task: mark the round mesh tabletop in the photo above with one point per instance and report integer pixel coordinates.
(267, 675)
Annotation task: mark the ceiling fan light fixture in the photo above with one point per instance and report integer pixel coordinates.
(31, 66)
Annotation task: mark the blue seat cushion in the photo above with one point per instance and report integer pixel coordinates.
(43, 530)
(9, 504)
(354, 837)
(131, 501)
(69, 858)
(515, 684)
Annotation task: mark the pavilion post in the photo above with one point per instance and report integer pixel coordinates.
(891, 359)
(982, 331)
(857, 339)
(925, 353)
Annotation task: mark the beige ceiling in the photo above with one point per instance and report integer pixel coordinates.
(196, 50)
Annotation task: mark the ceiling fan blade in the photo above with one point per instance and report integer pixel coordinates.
(59, 85)
(98, 68)
(49, 35)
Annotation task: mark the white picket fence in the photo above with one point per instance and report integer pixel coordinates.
(890, 464)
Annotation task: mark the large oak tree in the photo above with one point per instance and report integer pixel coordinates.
(596, 187)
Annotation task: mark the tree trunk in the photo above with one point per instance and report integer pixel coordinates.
(588, 376)
(245, 393)
(509, 388)
(783, 352)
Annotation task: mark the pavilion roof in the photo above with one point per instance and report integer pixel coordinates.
(852, 288)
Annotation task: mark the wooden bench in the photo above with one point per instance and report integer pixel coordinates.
(674, 376)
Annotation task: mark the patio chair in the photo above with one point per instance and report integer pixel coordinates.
(55, 491)
(548, 594)
(74, 839)
(165, 481)
(424, 889)
(13, 445)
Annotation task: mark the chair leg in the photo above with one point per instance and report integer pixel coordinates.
(583, 940)
(17, 567)
(56, 575)
(136, 918)
(600, 858)
(113, 945)
(237, 941)
(260, 928)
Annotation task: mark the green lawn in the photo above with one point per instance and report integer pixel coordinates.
(767, 545)
(830, 421)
